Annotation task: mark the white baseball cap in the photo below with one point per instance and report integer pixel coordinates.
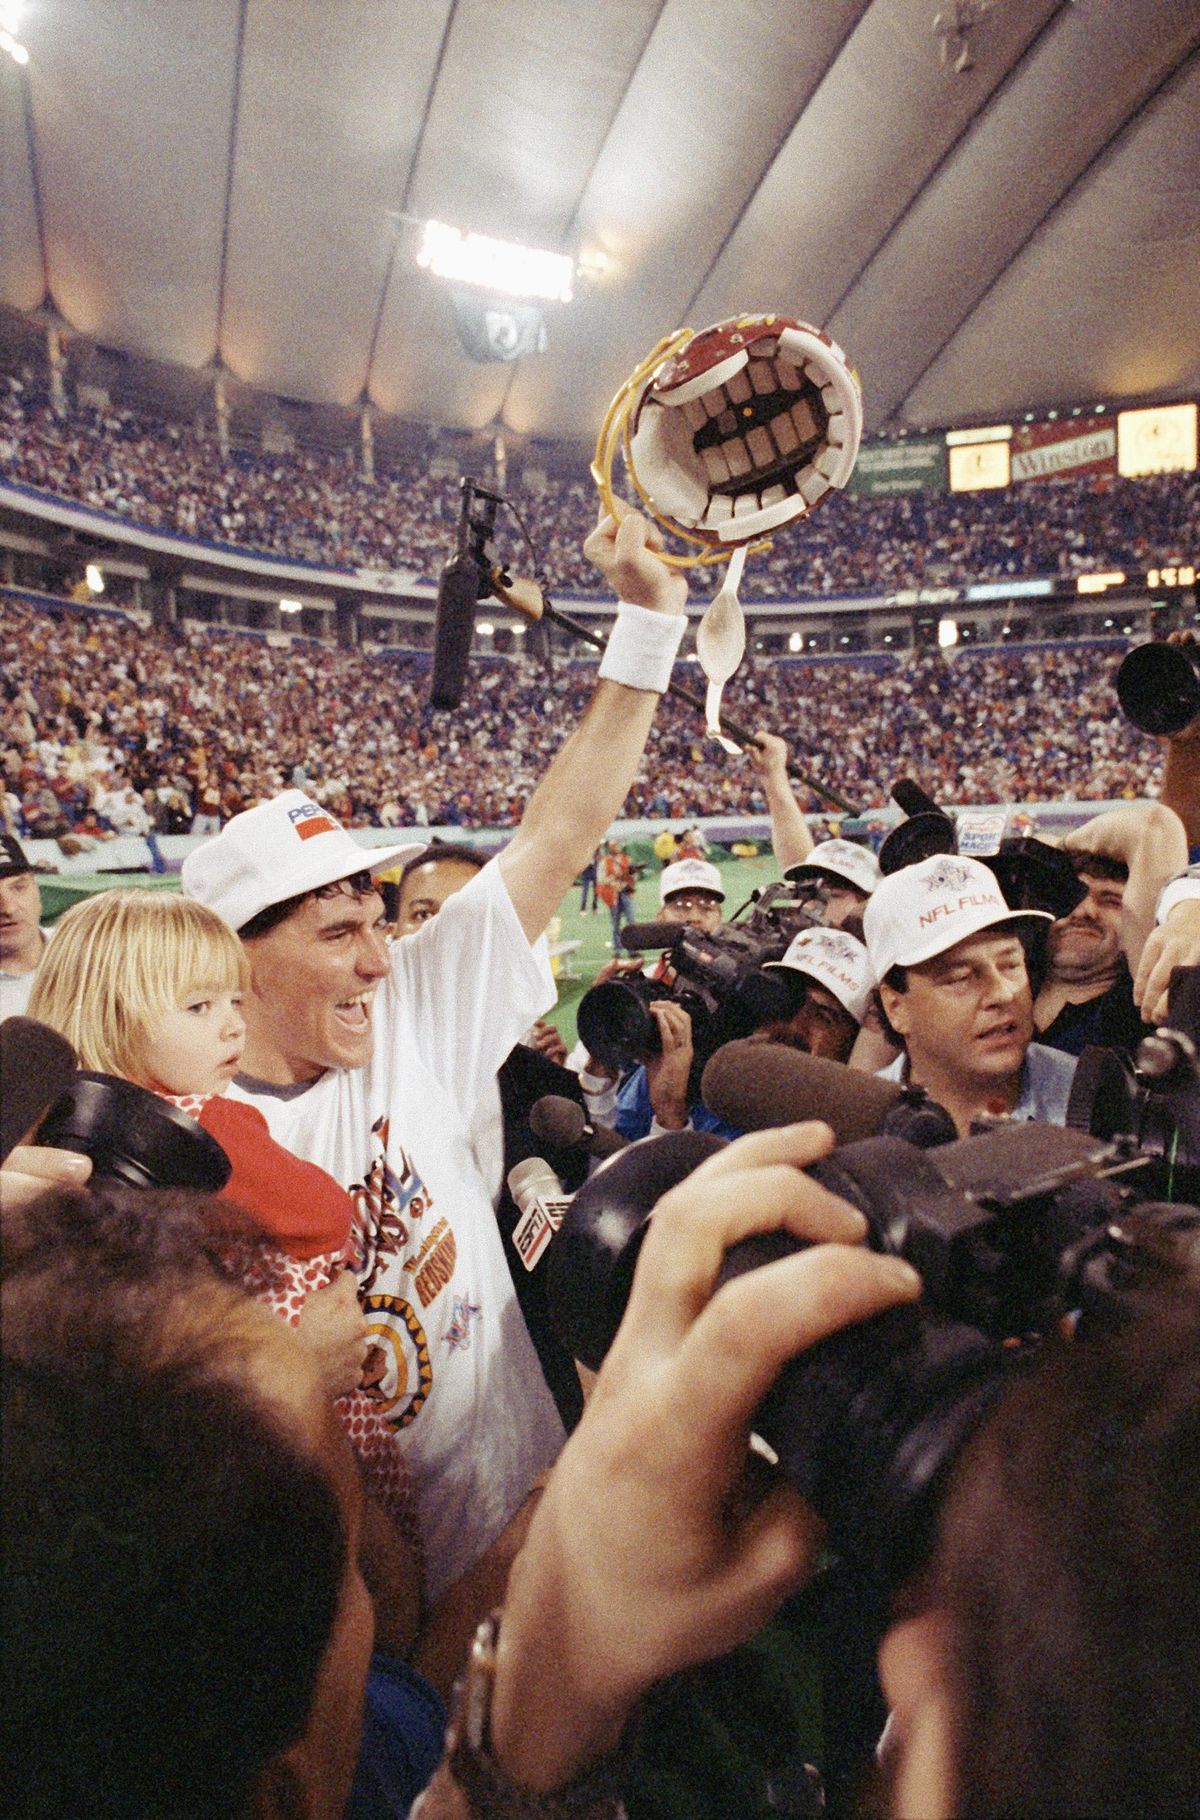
(924, 909)
(837, 961)
(690, 875)
(278, 849)
(845, 859)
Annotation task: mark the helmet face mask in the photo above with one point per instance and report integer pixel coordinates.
(743, 428)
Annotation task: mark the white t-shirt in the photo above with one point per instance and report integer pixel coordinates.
(461, 1384)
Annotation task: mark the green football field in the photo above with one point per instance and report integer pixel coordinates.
(740, 877)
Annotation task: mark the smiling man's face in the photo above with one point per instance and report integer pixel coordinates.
(313, 980)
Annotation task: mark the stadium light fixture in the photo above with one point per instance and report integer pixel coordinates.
(795, 642)
(291, 606)
(94, 578)
(496, 265)
(947, 633)
(485, 628)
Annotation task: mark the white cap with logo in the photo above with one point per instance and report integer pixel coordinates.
(690, 875)
(844, 859)
(278, 849)
(922, 910)
(837, 961)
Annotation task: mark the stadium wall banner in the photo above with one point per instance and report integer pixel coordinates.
(910, 466)
(1082, 445)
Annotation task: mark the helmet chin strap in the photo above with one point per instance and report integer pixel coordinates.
(721, 645)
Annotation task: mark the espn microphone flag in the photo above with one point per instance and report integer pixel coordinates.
(497, 328)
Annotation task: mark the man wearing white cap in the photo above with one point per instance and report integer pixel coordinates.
(954, 986)
(690, 891)
(837, 983)
(846, 873)
(833, 985)
(370, 1061)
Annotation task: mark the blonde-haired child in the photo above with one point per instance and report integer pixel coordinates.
(148, 985)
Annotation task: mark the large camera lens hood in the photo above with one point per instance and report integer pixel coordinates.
(133, 1136)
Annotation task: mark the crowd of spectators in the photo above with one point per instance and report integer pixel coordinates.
(316, 506)
(107, 726)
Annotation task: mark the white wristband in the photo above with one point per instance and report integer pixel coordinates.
(641, 647)
(1177, 892)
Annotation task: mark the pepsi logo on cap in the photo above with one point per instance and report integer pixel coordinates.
(309, 820)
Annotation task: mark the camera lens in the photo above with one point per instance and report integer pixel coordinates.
(133, 1137)
(615, 1025)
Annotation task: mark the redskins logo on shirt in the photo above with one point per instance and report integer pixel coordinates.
(398, 1374)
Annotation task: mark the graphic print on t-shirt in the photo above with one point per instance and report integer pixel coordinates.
(388, 1203)
(398, 1374)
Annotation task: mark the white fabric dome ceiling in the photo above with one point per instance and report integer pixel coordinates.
(204, 180)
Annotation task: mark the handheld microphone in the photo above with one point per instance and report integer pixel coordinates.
(554, 1119)
(542, 1201)
(757, 1086)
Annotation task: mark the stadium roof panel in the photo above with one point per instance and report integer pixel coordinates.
(1015, 224)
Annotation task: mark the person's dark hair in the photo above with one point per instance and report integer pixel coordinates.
(440, 850)
(1098, 865)
(1069, 1566)
(172, 1551)
(357, 884)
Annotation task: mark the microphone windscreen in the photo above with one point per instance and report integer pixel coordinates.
(454, 628)
(909, 796)
(650, 935)
(757, 1086)
(554, 1119)
(36, 1064)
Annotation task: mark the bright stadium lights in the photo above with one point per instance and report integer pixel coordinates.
(496, 265)
(1097, 584)
(795, 642)
(947, 633)
(993, 432)
(94, 578)
(291, 606)
(486, 629)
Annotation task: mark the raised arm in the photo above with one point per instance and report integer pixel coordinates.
(1150, 839)
(587, 783)
(790, 835)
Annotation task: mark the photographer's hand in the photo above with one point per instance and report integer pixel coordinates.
(653, 1547)
(667, 1073)
(1175, 943)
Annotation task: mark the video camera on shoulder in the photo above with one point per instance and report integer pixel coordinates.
(716, 977)
(1017, 1231)
(1031, 873)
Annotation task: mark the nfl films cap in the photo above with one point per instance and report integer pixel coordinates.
(690, 875)
(845, 859)
(836, 961)
(278, 849)
(12, 857)
(922, 910)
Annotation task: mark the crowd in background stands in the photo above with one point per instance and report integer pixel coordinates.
(109, 728)
(317, 507)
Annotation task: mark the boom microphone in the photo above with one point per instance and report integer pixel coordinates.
(757, 1086)
(459, 592)
(558, 1121)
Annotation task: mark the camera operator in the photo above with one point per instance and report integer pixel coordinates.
(1123, 858)
(845, 872)
(833, 982)
(955, 992)
(1020, 1685)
